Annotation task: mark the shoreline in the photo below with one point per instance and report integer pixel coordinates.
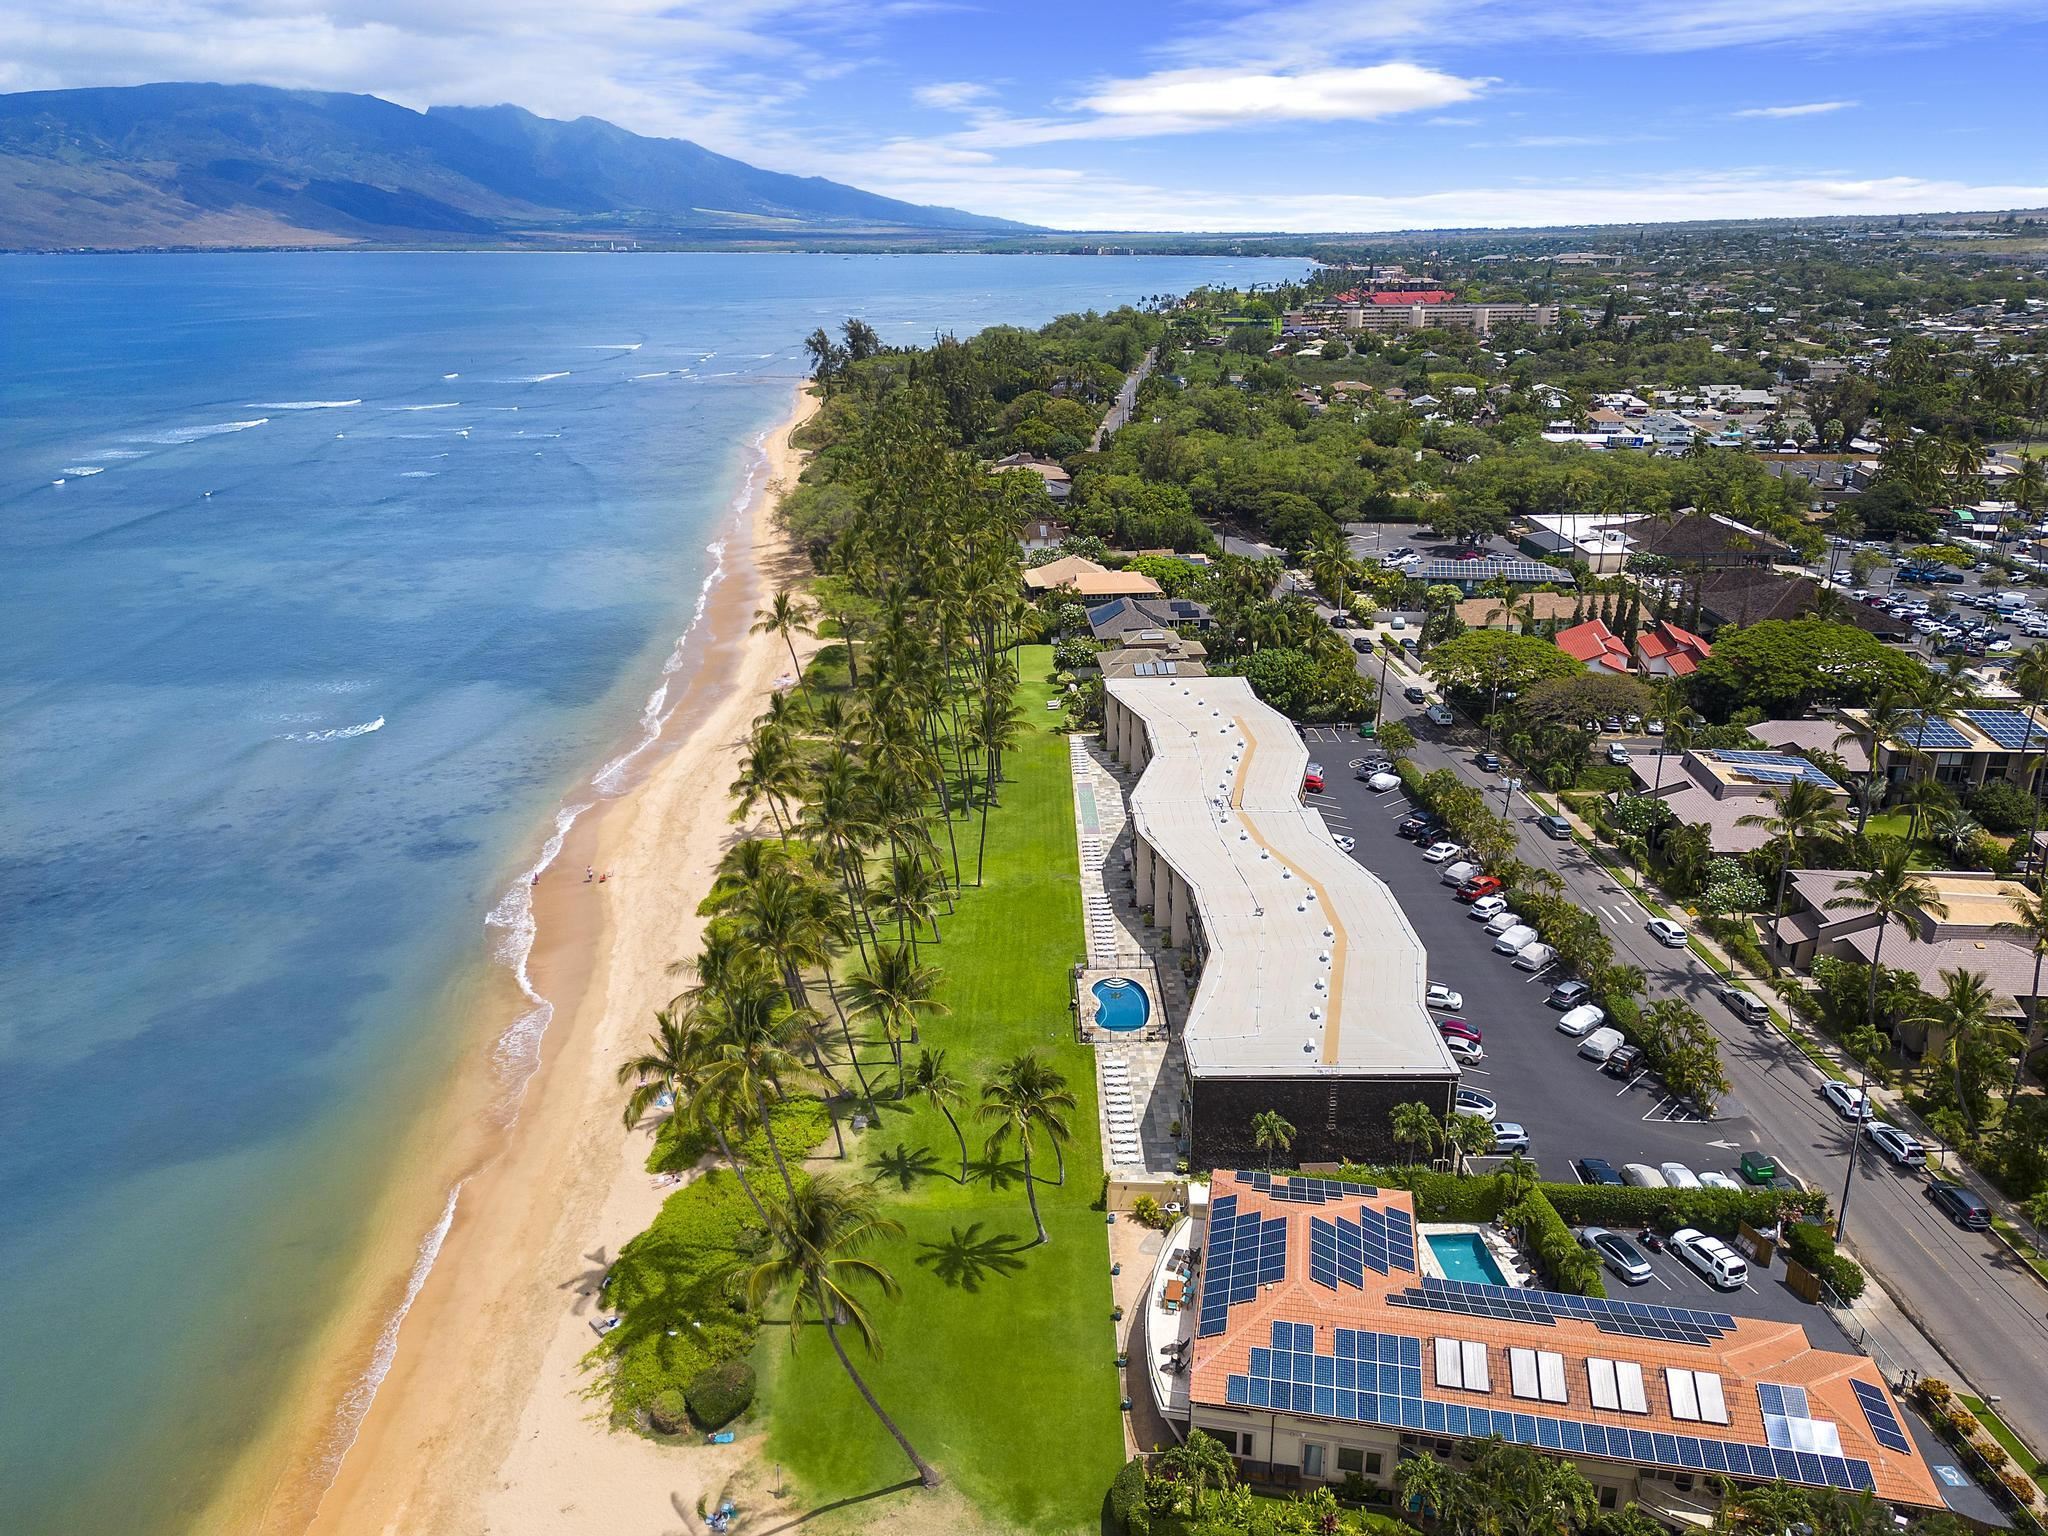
(450, 1341)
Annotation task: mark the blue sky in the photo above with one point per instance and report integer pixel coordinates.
(1301, 114)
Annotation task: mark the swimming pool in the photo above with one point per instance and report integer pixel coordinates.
(1121, 1004)
(1463, 1256)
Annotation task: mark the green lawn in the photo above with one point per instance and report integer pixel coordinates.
(998, 1359)
(2028, 1462)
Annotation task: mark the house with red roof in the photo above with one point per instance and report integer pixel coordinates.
(1597, 648)
(1665, 650)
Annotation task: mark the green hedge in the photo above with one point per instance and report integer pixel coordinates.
(1438, 1196)
(1813, 1245)
(1718, 1211)
(800, 1124)
(720, 1393)
(1547, 1232)
(1127, 1511)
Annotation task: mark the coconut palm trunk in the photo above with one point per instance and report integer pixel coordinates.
(1031, 1193)
(774, 1148)
(927, 1474)
(739, 1171)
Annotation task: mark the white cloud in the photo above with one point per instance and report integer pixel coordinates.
(950, 95)
(1802, 109)
(1225, 96)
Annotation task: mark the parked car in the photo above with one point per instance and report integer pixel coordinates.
(1665, 932)
(1422, 826)
(1959, 1205)
(1711, 1180)
(1502, 921)
(1850, 1103)
(1902, 1150)
(1678, 1176)
(1366, 767)
(1617, 754)
(1745, 1007)
(1383, 781)
(1478, 887)
(1582, 1020)
(1620, 1255)
(1601, 1044)
(1515, 940)
(1487, 762)
(1439, 715)
(1535, 957)
(1642, 1176)
(1597, 1170)
(1718, 1264)
(1441, 996)
(1437, 852)
(1464, 1052)
(1449, 1028)
(1569, 994)
(1415, 694)
(1312, 781)
(1470, 1101)
(1488, 907)
(1509, 1137)
(1457, 873)
(1345, 843)
(1555, 828)
(1623, 1062)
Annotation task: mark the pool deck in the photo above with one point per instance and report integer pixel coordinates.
(1497, 1248)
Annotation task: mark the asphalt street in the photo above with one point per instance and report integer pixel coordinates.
(1964, 1290)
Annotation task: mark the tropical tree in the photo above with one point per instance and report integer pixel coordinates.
(1195, 1461)
(2031, 924)
(1969, 1033)
(788, 616)
(1024, 1100)
(673, 1064)
(894, 989)
(815, 1258)
(1271, 1133)
(1800, 812)
(933, 1081)
(1890, 889)
(1417, 1128)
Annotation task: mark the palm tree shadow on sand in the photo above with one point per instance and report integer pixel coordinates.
(966, 1258)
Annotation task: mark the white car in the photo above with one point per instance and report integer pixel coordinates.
(1582, 1020)
(1487, 907)
(1346, 843)
(1464, 1052)
(1436, 853)
(1654, 727)
(1471, 1101)
(1718, 1264)
(1851, 1104)
(1903, 1150)
(1441, 996)
(1502, 921)
(1380, 783)
(1514, 940)
(1997, 647)
(1678, 1176)
(1665, 932)
(1712, 1180)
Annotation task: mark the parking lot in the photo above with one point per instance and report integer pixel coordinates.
(1570, 1108)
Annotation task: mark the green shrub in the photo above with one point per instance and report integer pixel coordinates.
(1812, 1244)
(1718, 1211)
(668, 1412)
(720, 1393)
(1566, 1265)
(1438, 1196)
(1127, 1509)
(800, 1124)
(2001, 805)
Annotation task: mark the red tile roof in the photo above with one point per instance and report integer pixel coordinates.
(1417, 296)
(1595, 645)
(1748, 1352)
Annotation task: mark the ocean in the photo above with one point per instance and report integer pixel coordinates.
(335, 582)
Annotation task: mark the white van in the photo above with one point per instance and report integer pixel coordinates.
(1535, 957)
(1718, 1264)
(1515, 940)
(1582, 1020)
(1458, 873)
(1600, 1044)
(1642, 1176)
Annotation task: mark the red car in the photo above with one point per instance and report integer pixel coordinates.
(1312, 781)
(1457, 1029)
(1470, 554)
(1478, 886)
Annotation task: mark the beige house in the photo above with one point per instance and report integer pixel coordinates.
(1488, 612)
(1087, 580)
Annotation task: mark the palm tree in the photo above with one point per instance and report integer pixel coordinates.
(1416, 1127)
(908, 893)
(1964, 1013)
(769, 772)
(749, 1059)
(1271, 1132)
(895, 989)
(1024, 1099)
(1195, 1461)
(1886, 720)
(815, 1242)
(673, 1063)
(932, 1080)
(1800, 811)
(2031, 924)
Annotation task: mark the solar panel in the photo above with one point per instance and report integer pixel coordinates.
(1773, 767)
(1884, 1424)
(1673, 1325)
(2012, 729)
(1300, 1190)
(1936, 735)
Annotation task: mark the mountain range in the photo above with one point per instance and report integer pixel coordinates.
(150, 166)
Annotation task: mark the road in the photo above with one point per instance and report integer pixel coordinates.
(1986, 1312)
(1126, 400)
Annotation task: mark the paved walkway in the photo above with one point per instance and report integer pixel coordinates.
(1139, 1080)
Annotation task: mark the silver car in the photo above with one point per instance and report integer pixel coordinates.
(1620, 1255)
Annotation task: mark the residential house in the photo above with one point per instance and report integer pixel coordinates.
(1058, 483)
(1964, 750)
(1665, 650)
(1087, 579)
(1492, 613)
(1044, 533)
(1803, 737)
(1126, 616)
(1716, 789)
(1597, 648)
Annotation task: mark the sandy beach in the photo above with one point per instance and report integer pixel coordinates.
(481, 1424)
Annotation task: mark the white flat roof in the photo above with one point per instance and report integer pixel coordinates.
(1312, 965)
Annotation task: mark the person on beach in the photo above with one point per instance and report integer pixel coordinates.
(589, 873)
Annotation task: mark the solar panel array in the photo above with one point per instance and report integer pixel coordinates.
(1534, 572)
(1341, 1250)
(1376, 1378)
(1884, 1424)
(1774, 768)
(1244, 1253)
(1305, 1191)
(1937, 735)
(1671, 1325)
(2012, 729)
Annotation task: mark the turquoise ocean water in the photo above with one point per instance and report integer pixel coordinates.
(330, 580)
